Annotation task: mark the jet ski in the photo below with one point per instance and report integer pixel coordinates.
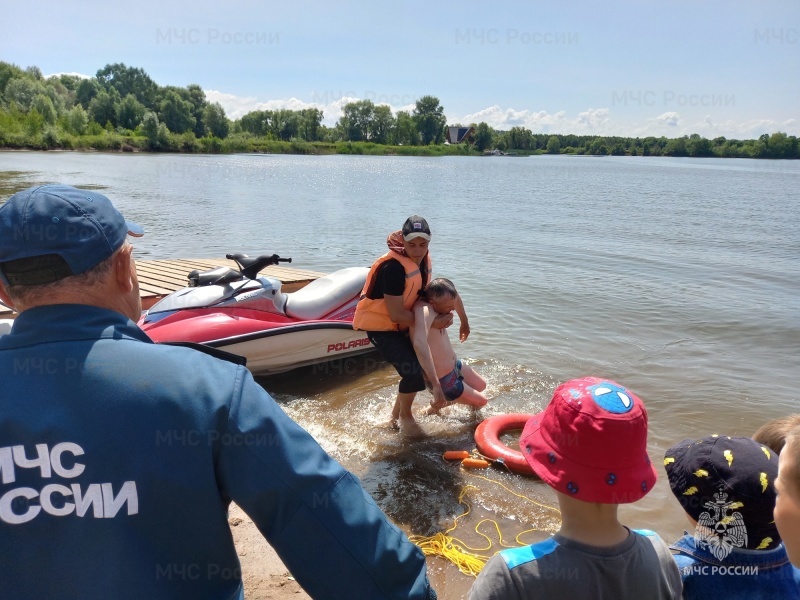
(241, 312)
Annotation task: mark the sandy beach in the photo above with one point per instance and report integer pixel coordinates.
(265, 577)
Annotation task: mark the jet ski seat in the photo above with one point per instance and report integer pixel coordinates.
(322, 295)
(218, 276)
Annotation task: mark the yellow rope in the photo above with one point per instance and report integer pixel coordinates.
(457, 551)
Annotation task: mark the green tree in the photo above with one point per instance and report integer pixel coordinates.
(86, 91)
(77, 120)
(71, 82)
(520, 138)
(23, 90)
(176, 113)
(598, 147)
(406, 132)
(150, 128)
(255, 122)
(103, 107)
(156, 133)
(780, 145)
(357, 120)
(215, 121)
(195, 95)
(430, 120)
(553, 145)
(310, 119)
(617, 149)
(483, 136)
(59, 95)
(35, 73)
(284, 124)
(8, 72)
(382, 124)
(44, 106)
(675, 147)
(34, 122)
(130, 112)
(698, 146)
(129, 80)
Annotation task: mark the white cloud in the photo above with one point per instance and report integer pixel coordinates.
(81, 75)
(749, 129)
(592, 121)
(671, 119)
(238, 106)
(235, 106)
(672, 125)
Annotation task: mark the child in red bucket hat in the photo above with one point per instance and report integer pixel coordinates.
(590, 445)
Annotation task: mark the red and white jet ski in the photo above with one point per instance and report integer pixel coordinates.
(247, 314)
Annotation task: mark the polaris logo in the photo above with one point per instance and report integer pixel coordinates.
(348, 345)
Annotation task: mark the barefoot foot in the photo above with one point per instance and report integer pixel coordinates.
(409, 427)
(390, 424)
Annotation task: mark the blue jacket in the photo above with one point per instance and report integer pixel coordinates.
(119, 458)
(746, 574)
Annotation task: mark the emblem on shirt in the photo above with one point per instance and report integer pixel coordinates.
(718, 530)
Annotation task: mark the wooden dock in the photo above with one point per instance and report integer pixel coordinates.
(158, 278)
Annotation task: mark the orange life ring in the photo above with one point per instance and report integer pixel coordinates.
(487, 438)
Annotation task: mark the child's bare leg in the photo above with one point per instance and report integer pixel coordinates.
(472, 397)
(472, 378)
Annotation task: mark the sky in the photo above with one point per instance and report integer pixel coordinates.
(604, 67)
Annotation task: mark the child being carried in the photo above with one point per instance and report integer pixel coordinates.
(451, 379)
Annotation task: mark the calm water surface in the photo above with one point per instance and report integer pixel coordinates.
(678, 278)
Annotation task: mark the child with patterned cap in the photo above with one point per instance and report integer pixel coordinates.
(726, 487)
(590, 446)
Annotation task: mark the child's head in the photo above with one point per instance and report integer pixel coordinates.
(773, 433)
(441, 295)
(590, 443)
(726, 485)
(787, 505)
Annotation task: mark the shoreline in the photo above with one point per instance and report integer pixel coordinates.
(522, 154)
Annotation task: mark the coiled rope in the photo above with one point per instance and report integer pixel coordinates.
(461, 554)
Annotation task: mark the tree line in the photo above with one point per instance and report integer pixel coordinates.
(776, 145)
(122, 108)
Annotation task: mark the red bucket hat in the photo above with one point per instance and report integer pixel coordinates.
(591, 443)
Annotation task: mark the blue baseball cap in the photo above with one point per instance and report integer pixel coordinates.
(72, 230)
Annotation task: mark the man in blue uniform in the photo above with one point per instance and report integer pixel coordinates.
(119, 458)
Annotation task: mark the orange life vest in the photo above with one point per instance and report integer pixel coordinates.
(373, 315)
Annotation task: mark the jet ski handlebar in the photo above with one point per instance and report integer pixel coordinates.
(250, 267)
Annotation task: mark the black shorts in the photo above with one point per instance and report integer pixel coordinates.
(396, 348)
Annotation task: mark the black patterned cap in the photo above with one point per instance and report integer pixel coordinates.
(726, 484)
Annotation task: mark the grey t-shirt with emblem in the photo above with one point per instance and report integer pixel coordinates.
(640, 567)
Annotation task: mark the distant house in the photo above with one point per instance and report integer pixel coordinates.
(456, 135)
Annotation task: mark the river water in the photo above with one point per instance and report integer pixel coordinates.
(678, 278)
